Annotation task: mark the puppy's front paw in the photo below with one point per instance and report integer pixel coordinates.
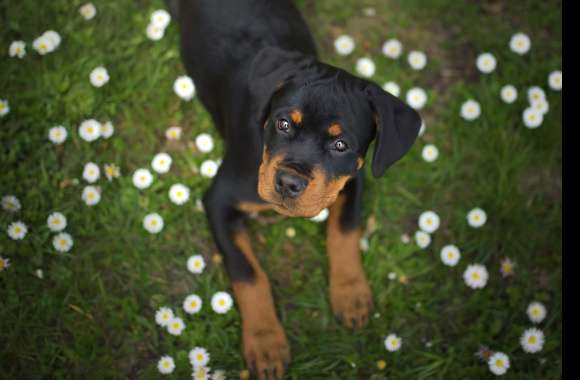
(351, 300)
(266, 350)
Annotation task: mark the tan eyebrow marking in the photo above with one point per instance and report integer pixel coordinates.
(335, 130)
(359, 163)
(296, 116)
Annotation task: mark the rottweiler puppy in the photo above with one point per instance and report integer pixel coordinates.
(296, 133)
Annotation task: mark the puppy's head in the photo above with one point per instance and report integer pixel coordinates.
(318, 122)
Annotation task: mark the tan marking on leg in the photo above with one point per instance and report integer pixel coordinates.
(335, 130)
(350, 294)
(265, 346)
(359, 163)
(296, 116)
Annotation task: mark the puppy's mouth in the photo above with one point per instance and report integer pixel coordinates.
(293, 194)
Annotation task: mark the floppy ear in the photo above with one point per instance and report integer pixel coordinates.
(397, 127)
(271, 69)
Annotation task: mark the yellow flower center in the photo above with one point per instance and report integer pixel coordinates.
(200, 357)
(2, 264)
(90, 130)
(193, 304)
(499, 363)
(475, 276)
(532, 339)
(62, 242)
(222, 302)
(17, 230)
(90, 196)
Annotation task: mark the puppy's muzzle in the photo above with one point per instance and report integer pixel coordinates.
(289, 185)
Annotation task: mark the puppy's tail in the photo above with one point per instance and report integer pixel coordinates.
(173, 8)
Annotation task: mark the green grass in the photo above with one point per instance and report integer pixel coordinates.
(92, 316)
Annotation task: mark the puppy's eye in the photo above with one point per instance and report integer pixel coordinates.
(340, 145)
(283, 125)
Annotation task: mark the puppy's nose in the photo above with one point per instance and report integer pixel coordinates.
(290, 185)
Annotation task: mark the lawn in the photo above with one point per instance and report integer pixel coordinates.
(92, 314)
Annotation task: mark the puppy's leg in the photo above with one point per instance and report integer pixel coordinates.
(265, 346)
(350, 294)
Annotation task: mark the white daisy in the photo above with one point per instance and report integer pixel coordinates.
(476, 217)
(17, 230)
(91, 195)
(91, 172)
(179, 194)
(200, 373)
(555, 80)
(392, 276)
(509, 94)
(184, 87)
(536, 312)
(221, 302)
(321, 217)
(520, 43)
(56, 222)
(111, 171)
(196, 264)
(363, 244)
(392, 88)
(430, 153)
(17, 49)
(486, 63)
(153, 223)
(475, 276)
(532, 340)
(416, 98)
(536, 94)
(4, 107)
(176, 326)
(417, 60)
(161, 163)
(54, 37)
(422, 128)
(291, 232)
(192, 304)
(429, 221)
(542, 106)
(154, 32)
(88, 11)
(423, 239)
(405, 239)
(450, 255)
(107, 129)
(199, 357)
(161, 18)
(218, 374)
(4, 263)
(369, 11)
(470, 110)
(43, 45)
(166, 365)
(142, 178)
(393, 343)
(163, 316)
(506, 267)
(344, 45)
(365, 67)
(209, 168)
(204, 143)
(392, 48)
(10, 203)
(173, 133)
(199, 205)
(99, 76)
(499, 363)
(532, 118)
(62, 242)
(90, 130)
(58, 134)
(39, 273)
